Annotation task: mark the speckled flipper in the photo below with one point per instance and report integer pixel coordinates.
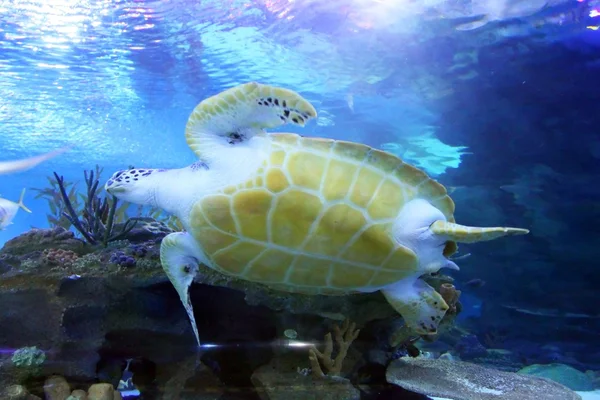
(180, 256)
(245, 110)
(419, 304)
(469, 234)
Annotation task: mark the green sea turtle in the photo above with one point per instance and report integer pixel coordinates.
(306, 215)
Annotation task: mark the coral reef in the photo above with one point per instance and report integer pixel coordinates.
(344, 337)
(96, 306)
(97, 215)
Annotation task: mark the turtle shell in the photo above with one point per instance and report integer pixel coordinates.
(316, 218)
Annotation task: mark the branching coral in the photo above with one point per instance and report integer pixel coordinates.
(98, 215)
(344, 337)
(55, 201)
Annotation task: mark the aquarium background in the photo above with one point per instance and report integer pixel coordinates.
(496, 99)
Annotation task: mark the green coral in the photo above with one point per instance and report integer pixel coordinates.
(28, 357)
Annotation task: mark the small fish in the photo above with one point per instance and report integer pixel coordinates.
(7, 167)
(350, 101)
(8, 210)
(475, 283)
(462, 257)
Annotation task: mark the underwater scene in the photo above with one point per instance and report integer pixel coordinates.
(299, 199)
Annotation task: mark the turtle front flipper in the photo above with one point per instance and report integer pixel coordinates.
(418, 303)
(243, 111)
(469, 234)
(180, 257)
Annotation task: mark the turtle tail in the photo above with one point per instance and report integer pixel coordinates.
(470, 234)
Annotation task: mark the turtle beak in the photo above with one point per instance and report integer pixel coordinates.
(111, 188)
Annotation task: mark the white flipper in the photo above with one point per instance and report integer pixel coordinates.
(419, 304)
(180, 257)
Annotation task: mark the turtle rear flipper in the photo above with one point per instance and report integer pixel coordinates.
(470, 234)
(421, 307)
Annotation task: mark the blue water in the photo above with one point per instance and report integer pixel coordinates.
(119, 79)
(503, 112)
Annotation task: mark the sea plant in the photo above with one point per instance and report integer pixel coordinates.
(57, 206)
(96, 221)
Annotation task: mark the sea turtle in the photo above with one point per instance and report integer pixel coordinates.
(306, 215)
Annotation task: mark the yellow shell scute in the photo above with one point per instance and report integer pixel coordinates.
(383, 278)
(351, 150)
(217, 210)
(371, 247)
(236, 257)
(277, 158)
(293, 214)
(309, 272)
(365, 186)
(212, 239)
(402, 259)
(321, 145)
(382, 160)
(251, 208)
(276, 180)
(339, 178)
(306, 169)
(388, 200)
(336, 227)
(410, 175)
(271, 266)
(350, 276)
(288, 140)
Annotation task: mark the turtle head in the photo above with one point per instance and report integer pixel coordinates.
(136, 185)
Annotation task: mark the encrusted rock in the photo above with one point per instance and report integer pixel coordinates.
(59, 257)
(101, 391)
(41, 239)
(279, 380)
(465, 381)
(78, 395)
(56, 388)
(17, 392)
